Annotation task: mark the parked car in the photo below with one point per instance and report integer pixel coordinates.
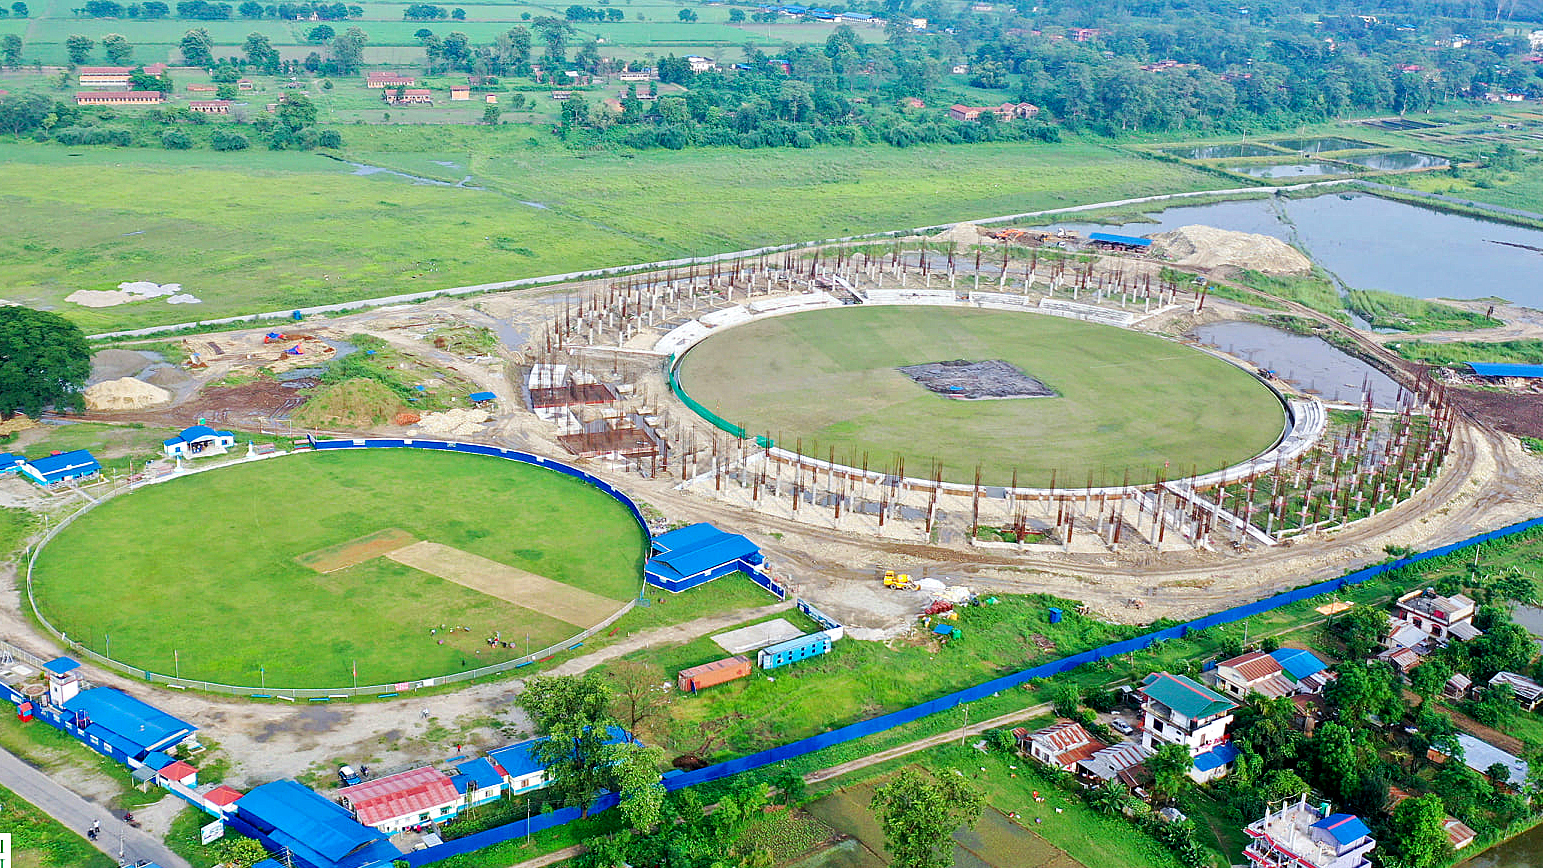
(1122, 727)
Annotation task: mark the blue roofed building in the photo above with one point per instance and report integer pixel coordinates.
(309, 829)
(198, 440)
(696, 554)
(1497, 369)
(1303, 835)
(10, 463)
(120, 726)
(1118, 242)
(523, 772)
(61, 468)
(478, 781)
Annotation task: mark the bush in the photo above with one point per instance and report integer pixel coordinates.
(329, 139)
(176, 140)
(223, 141)
(93, 136)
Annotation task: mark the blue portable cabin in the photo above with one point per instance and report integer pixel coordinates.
(696, 554)
(793, 650)
(64, 467)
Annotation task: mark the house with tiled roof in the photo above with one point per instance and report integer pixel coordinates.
(1439, 615)
(416, 797)
(1255, 672)
(1180, 710)
(1061, 745)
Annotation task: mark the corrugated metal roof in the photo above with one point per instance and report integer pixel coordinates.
(705, 553)
(1299, 663)
(1343, 828)
(690, 536)
(301, 820)
(1253, 666)
(1185, 695)
(516, 759)
(1111, 238)
(54, 466)
(61, 665)
(142, 725)
(480, 772)
(1495, 369)
(400, 795)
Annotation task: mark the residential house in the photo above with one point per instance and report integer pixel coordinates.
(523, 772)
(202, 88)
(1459, 835)
(1124, 762)
(1302, 835)
(121, 97)
(1438, 615)
(1457, 687)
(1528, 693)
(1061, 745)
(460, 92)
(1403, 659)
(106, 76)
(401, 801)
(1255, 672)
(1179, 710)
(1007, 111)
(701, 64)
(478, 781)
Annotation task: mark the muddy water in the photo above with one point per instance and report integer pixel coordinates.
(1307, 362)
(1319, 145)
(1523, 851)
(1398, 162)
(1214, 152)
(1289, 170)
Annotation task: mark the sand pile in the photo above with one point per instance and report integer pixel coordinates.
(125, 393)
(1208, 247)
(19, 422)
(454, 422)
(963, 233)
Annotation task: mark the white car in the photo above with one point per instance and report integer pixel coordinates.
(1122, 727)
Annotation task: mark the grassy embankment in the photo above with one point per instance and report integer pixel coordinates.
(1528, 352)
(275, 231)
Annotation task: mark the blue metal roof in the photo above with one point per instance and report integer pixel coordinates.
(483, 396)
(55, 467)
(1343, 828)
(1493, 369)
(690, 536)
(1111, 238)
(141, 725)
(314, 827)
(516, 759)
(1299, 663)
(196, 432)
(61, 665)
(480, 772)
(158, 760)
(8, 460)
(1216, 757)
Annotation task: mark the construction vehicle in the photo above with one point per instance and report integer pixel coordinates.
(898, 582)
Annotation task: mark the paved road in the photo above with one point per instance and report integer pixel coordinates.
(76, 814)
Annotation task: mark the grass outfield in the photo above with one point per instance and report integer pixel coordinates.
(1124, 399)
(205, 566)
(274, 231)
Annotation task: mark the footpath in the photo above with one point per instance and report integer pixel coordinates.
(118, 839)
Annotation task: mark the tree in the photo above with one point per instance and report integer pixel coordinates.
(687, 15)
(1364, 688)
(10, 49)
(1267, 724)
(919, 815)
(458, 14)
(79, 48)
(1504, 646)
(1109, 797)
(176, 140)
(44, 362)
(635, 777)
(348, 51)
(260, 52)
(197, 47)
(320, 33)
(19, 9)
(491, 114)
(225, 141)
(250, 9)
(296, 111)
(239, 851)
(1362, 629)
(641, 689)
(573, 712)
(1429, 679)
(736, 16)
(1336, 758)
(118, 49)
(1170, 767)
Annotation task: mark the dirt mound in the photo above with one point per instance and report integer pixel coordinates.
(114, 363)
(358, 403)
(963, 233)
(125, 393)
(16, 423)
(455, 422)
(407, 418)
(1208, 247)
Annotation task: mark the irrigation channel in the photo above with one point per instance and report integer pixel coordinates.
(1373, 243)
(841, 735)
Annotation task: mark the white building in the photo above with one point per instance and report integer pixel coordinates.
(1300, 835)
(1180, 710)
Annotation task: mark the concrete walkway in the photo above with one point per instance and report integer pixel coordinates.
(76, 814)
(675, 634)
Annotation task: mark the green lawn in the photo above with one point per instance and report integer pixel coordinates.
(40, 841)
(273, 231)
(214, 555)
(1124, 400)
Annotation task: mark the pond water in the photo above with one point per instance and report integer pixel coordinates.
(1216, 152)
(1320, 144)
(1289, 170)
(1373, 243)
(1523, 851)
(1305, 361)
(1398, 162)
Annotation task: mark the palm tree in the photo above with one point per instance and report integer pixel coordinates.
(1109, 797)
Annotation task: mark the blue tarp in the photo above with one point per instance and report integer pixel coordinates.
(483, 396)
(1127, 240)
(142, 726)
(1494, 369)
(1216, 757)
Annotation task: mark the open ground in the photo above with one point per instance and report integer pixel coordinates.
(1124, 400)
(218, 554)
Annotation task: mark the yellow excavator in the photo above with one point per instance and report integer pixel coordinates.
(898, 582)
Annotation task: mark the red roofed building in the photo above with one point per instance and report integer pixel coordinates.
(1255, 672)
(1061, 746)
(105, 76)
(202, 88)
(155, 69)
(400, 801)
(121, 97)
(180, 772)
(388, 79)
(1007, 111)
(222, 796)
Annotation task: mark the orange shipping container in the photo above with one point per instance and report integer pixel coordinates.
(713, 674)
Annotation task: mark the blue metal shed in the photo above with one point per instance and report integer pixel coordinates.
(1495, 369)
(1122, 240)
(793, 650)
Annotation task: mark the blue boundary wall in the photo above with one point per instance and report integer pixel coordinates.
(496, 452)
(861, 729)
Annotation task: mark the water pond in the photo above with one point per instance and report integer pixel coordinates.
(1402, 161)
(1321, 144)
(1289, 170)
(1308, 362)
(1216, 152)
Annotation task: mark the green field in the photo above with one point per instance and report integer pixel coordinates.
(273, 231)
(203, 569)
(1124, 400)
